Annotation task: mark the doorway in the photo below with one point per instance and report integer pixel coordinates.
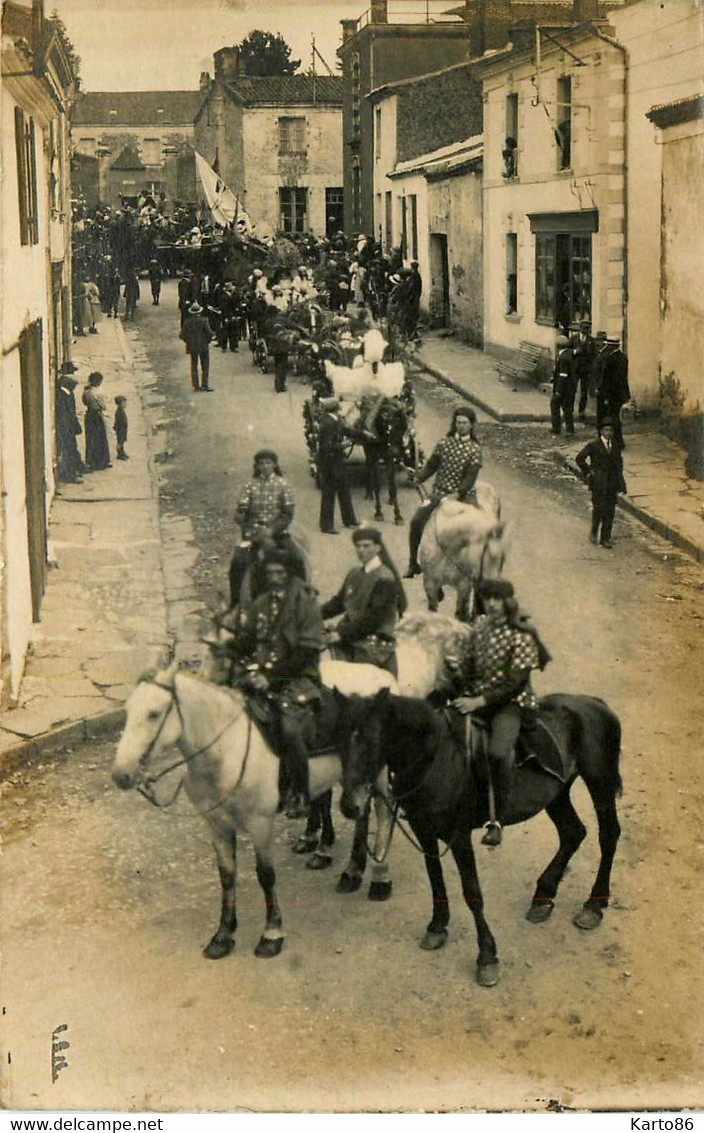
(32, 379)
(439, 297)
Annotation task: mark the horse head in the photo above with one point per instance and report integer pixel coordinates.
(363, 757)
(153, 723)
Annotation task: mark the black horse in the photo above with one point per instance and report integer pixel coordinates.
(389, 445)
(445, 796)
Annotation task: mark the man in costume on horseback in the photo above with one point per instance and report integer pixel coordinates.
(276, 647)
(371, 600)
(456, 461)
(496, 682)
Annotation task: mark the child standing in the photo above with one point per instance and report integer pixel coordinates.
(120, 427)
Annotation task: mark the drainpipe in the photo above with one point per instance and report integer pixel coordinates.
(626, 92)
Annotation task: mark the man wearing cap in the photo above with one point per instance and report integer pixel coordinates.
(264, 512)
(456, 461)
(601, 465)
(276, 647)
(614, 390)
(196, 334)
(495, 678)
(68, 427)
(564, 388)
(370, 600)
(331, 467)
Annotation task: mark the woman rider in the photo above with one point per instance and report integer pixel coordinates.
(456, 461)
(371, 600)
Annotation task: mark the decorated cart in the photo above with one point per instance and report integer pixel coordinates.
(376, 401)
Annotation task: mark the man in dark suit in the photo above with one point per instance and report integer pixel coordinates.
(583, 351)
(196, 334)
(614, 391)
(601, 465)
(564, 388)
(331, 468)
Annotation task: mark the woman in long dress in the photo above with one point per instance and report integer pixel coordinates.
(97, 451)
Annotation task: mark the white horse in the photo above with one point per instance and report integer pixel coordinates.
(462, 543)
(231, 776)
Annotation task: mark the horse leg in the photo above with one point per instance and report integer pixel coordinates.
(435, 935)
(381, 884)
(487, 960)
(308, 840)
(322, 858)
(432, 594)
(591, 913)
(272, 939)
(393, 487)
(351, 877)
(571, 832)
(222, 943)
(376, 485)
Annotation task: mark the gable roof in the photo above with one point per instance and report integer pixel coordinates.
(137, 108)
(128, 159)
(287, 90)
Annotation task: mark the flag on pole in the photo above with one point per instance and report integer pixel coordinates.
(222, 202)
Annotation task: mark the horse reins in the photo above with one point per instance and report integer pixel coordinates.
(147, 788)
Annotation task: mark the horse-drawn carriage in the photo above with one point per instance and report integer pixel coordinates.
(377, 404)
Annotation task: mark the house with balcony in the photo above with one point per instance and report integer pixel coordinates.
(38, 87)
(153, 127)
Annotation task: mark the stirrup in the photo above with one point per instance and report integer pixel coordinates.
(494, 833)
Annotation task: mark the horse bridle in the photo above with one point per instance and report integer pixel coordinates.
(147, 787)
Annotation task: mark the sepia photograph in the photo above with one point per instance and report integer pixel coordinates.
(352, 559)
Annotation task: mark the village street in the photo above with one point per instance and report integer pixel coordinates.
(107, 903)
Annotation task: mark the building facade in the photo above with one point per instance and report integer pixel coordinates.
(554, 188)
(154, 127)
(680, 127)
(38, 86)
(276, 142)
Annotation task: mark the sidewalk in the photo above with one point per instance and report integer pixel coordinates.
(117, 591)
(659, 493)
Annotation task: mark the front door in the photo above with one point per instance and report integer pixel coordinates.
(31, 372)
(439, 297)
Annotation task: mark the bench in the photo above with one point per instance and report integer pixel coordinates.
(528, 365)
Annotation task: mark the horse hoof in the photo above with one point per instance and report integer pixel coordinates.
(540, 912)
(488, 974)
(380, 890)
(305, 844)
(218, 947)
(348, 884)
(399, 521)
(319, 861)
(588, 917)
(267, 949)
(432, 941)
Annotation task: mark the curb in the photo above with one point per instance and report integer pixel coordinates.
(657, 525)
(77, 732)
(497, 415)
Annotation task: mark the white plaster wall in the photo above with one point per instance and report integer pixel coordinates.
(664, 43)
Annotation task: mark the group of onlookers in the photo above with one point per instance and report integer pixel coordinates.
(71, 466)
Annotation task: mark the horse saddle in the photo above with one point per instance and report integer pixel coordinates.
(536, 742)
(318, 720)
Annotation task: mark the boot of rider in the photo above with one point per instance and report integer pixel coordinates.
(297, 801)
(500, 773)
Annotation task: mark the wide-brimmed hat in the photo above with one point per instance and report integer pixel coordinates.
(68, 368)
(330, 403)
(195, 308)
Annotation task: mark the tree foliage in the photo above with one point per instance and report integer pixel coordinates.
(264, 53)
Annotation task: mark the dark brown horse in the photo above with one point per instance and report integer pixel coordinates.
(444, 796)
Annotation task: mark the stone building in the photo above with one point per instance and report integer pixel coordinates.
(402, 39)
(38, 86)
(680, 127)
(276, 142)
(153, 128)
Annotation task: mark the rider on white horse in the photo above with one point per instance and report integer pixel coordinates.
(456, 460)
(495, 678)
(276, 648)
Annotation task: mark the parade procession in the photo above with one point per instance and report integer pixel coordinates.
(351, 559)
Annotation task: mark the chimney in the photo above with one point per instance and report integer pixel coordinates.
(37, 22)
(379, 13)
(205, 81)
(495, 16)
(585, 11)
(227, 64)
(349, 28)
